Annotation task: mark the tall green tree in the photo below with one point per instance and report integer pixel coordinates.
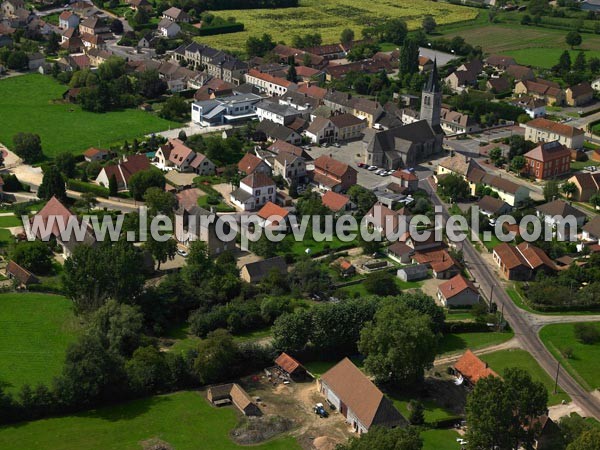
(28, 146)
(429, 24)
(35, 256)
(161, 251)
(66, 163)
(573, 38)
(53, 185)
(347, 36)
(409, 57)
(216, 355)
(386, 438)
(113, 185)
(551, 190)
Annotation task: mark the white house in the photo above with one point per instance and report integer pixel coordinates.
(255, 191)
(68, 19)
(178, 155)
(321, 130)
(276, 113)
(561, 216)
(231, 109)
(167, 28)
(458, 291)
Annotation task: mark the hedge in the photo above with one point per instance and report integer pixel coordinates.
(222, 29)
(80, 186)
(465, 327)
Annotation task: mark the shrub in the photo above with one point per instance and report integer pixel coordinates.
(587, 333)
(80, 186)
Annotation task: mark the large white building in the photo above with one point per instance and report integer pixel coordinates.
(256, 190)
(219, 111)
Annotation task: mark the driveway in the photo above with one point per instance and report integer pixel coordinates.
(192, 128)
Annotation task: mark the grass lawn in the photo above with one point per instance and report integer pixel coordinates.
(492, 242)
(458, 342)
(433, 411)
(33, 103)
(518, 299)
(584, 365)
(455, 315)
(10, 221)
(298, 248)
(359, 289)
(35, 330)
(185, 420)
(440, 440)
(500, 361)
(579, 165)
(5, 237)
(329, 18)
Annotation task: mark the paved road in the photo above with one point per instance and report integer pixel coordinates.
(525, 327)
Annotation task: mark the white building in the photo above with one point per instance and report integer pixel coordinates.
(219, 111)
(255, 191)
(274, 112)
(167, 28)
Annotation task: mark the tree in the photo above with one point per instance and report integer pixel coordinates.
(216, 355)
(347, 36)
(589, 440)
(416, 412)
(141, 17)
(28, 146)
(526, 20)
(116, 26)
(517, 163)
(53, 185)
(595, 200)
(87, 201)
(569, 189)
(429, 24)
(454, 187)
(291, 331)
(551, 190)
(159, 201)
(394, 31)
(363, 198)
(35, 256)
(572, 427)
(259, 46)
(564, 62)
(147, 370)
(118, 326)
(399, 344)
(161, 251)
(580, 63)
(381, 283)
(292, 75)
(496, 155)
(424, 304)
(573, 38)
(113, 186)
(17, 60)
(143, 180)
(386, 438)
(150, 85)
(500, 412)
(587, 333)
(53, 43)
(409, 57)
(175, 108)
(307, 277)
(66, 164)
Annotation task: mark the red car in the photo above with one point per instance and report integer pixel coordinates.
(360, 164)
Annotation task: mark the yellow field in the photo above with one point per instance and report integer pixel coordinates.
(330, 17)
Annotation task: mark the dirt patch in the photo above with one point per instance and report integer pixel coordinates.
(254, 430)
(557, 411)
(326, 443)
(155, 444)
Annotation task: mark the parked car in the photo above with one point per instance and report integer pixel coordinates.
(359, 164)
(320, 410)
(337, 145)
(371, 168)
(182, 252)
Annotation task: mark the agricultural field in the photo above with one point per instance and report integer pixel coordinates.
(534, 46)
(584, 361)
(35, 330)
(500, 361)
(330, 17)
(184, 420)
(64, 126)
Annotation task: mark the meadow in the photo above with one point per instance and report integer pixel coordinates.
(35, 330)
(459, 342)
(330, 17)
(33, 103)
(185, 420)
(500, 361)
(584, 364)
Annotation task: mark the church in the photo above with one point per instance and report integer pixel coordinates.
(413, 143)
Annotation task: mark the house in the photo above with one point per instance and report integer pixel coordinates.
(312, 91)
(520, 73)
(300, 101)
(461, 80)
(175, 15)
(406, 179)
(492, 207)
(500, 85)
(333, 175)
(254, 272)
(269, 84)
(347, 126)
(255, 190)
(442, 264)
(276, 113)
(300, 57)
(177, 155)
(289, 166)
(532, 106)
(389, 223)
(587, 184)
(358, 399)
(9, 8)
(425, 64)
(547, 160)
(400, 252)
(123, 171)
(561, 216)
(470, 369)
(21, 276)
(591, 230)
(271, 131)
(321, 131)
(94, 154)
(291, 367)
(500, 62)
(544, 130)
(251, 163)
(454, 122)
(167, 28)
(580, 94)
(282, 146)
(508, 191)
(335, 202)
(94, 26)
(458, 292)
(214, 88)
(36, 60)
(522, 262)
(225, 110)
(272, 215)
(412, 273)
(68, 19)
(345, 267)
(216, 63)
(93, 41)
(545, 90)
(233, 393)
(137, 5)
(197, 224)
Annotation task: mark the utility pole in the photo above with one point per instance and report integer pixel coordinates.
(491, 297)
(556, 379)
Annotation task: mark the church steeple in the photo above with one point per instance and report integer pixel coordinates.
(431, 99)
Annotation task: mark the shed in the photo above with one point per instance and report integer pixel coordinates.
(412, 273)
(254, 272)
(225, 394)
(21, 275)
(291, 366)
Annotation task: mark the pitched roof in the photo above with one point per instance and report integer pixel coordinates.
(502, 184)
(333, 166)
(360, 395)
(92, 151)
(259, 269)
(335, 201)
(270, 78)
(547, 151)
(287, 363)
(406, 175)
(312, 91)
(559, 128)
(500, 84)
(21, 274)
(490, 204)
(65, 15)
(593, 227)
(346, 120)
(455, 286)
(500, 60)
(559, 208)
(249, 163)
(472, 368)
(399, 249)
(519, 72)
(286, 147)
(535, 256)
(255, 180)
(270, 209)
(179, 152)
(54, 208)
(580, 89)
(317, 125)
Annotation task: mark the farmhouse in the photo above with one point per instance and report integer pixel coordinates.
(254, 272)
(458, 291)
(471, 369)
(20, 275)
(233, 393)
(520, 263)
(358, 399)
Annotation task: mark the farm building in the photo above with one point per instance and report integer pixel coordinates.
(400, 252)
(413, 273)
(358, 399)
(233, 393)
(256, 271)
(22, 276)
(470, 369)
(291, 366)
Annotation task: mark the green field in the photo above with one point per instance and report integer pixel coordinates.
(33, 103)
(528, 45)
(584, 365)
(433, 411)
(500, 361)
(329, 18)
(35, 330)
(440, 440)
(458, 342)
(185, 420)
(359, 289)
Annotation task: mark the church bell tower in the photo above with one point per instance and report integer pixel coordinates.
(431, 99)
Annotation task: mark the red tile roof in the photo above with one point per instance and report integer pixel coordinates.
(21, 274)
(332, 166)
(455, 286)
(472, 368)
(335, 201)
(179, 151)
(547, 151)
(54, 208)
(271, 209)
(287, 363)
(249, 163)
(559, 128)
(270, 78)
(312, 91)
(258, 180)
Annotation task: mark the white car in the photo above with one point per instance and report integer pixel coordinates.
(182, 252)
(372, 168)
(390, 172)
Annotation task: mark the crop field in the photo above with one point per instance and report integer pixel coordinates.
(533, 46)
(35, 330)
(330, 17)
(33, 103)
